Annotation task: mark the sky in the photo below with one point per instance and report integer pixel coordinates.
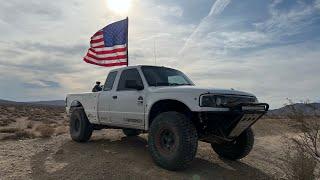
(270, 48)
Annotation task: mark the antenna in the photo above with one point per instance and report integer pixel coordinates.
(154, 52)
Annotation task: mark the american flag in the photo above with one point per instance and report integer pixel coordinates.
(109, 46)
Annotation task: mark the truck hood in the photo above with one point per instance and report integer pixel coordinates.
(197, 90)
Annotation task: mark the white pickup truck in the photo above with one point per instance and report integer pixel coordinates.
(175, 113)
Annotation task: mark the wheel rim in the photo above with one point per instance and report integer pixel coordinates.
(166, 141)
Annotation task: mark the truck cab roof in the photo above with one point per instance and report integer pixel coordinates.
(135, 66)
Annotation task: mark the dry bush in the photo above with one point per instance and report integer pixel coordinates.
(302, 152)
(61, 130)
(45, 130)
(309, 125)
(23, 134)
(30, 125)
(5, 122)
(299, 165)
(16, 133)
(9, 130)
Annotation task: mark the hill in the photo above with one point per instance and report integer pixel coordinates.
(305, 109)
(46, 103)
(50, 103)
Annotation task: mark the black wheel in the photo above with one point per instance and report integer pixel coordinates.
(173, 141)
(80, 127)
(237, 149)
(131, 132)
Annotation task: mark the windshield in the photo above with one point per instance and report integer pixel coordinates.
(161, 76)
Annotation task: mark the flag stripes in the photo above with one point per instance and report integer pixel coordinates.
(108, 47)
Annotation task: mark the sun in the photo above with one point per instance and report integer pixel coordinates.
(119, 6)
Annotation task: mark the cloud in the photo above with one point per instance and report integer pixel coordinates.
(269, 49)
(273, 74)
(171, 10)
(41, 84)
(217, 7)
(291, 21)
(37, 56)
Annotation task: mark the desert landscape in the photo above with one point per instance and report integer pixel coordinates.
(35, 144)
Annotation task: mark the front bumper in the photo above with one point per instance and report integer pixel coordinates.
(249, 114)
(230, 124)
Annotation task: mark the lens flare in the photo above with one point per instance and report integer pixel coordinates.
(119, 6)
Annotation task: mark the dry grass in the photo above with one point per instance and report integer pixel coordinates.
(6, 121)
(299, 165)
(45, 130)
(9, 130)
(61, 130)
(30, 125)
(302, 154)
(28, 121)
(23, 134)
(17, 133)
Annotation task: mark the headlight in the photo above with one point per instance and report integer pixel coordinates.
(210, 100)
(207, 101)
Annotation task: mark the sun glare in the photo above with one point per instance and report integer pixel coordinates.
(119, 6)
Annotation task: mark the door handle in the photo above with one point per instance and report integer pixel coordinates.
(140, 99)
(114, 97)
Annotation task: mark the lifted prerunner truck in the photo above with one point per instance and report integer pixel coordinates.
(165, 103)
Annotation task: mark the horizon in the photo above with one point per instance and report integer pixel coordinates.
(269, 48)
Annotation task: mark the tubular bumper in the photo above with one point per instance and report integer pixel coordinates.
(230, 124)
(250, 113)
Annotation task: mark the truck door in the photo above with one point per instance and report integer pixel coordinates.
(105, 99)
(127, 108)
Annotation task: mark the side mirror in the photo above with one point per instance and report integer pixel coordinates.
(133, 84)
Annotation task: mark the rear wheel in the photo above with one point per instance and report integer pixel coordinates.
(131, 132)
(237, 149)
(172, 141)
(80, 127)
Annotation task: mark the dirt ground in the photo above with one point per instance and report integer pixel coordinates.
(111, 155)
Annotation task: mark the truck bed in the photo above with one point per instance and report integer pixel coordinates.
(89, 102)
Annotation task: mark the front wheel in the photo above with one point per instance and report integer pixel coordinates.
(173, 141)
(80, 127)
(237, 149)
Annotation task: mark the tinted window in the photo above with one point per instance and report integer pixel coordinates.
(161, 76)
(129, 74)
(110, 81)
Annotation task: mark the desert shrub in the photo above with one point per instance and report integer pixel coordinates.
(302, 154)
(61, 130)
(30, 125)
(22, 134)
(299, 165)
(9, 130)
(45, 130)
(309, 125)
(6, 121)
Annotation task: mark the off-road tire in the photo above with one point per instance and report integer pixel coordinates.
(131, 132)
(185, 140)
(237, 149)
(80, 127)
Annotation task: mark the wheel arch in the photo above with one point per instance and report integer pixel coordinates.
(75, 104)
(165, 105)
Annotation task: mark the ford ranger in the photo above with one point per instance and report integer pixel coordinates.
(175, 113)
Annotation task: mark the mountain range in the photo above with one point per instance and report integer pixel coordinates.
(46, 103)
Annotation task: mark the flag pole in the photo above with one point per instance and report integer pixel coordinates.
(127, 41)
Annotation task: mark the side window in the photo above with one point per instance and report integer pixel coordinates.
(129, 74)
(110, 81)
